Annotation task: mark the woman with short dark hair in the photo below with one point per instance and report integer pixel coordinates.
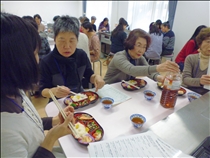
(22, 129)
(94, 42)
(64, 68)
(130, 63)
(168, 39)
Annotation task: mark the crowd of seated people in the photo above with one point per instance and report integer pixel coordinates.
(63, 69)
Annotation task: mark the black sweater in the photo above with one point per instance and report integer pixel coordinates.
(59, 70)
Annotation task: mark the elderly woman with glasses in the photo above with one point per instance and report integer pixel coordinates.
(130, 63)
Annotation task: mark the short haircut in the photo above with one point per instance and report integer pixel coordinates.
(56, 17)
(66, 24)
(38, 16)
(31, 20)
(19, 68)
(166, 24)
(203, 35)
(88, 25)
(93, 18)
(133, 36)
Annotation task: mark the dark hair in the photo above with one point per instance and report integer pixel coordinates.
(19, 68)
(38, 16)
(154, 29)
(66, 24)
(203, 35)
(93, 18)
(86, 19)
(105, 19)
(31, 20)
(197, 30)
(133, 36)
(88, 25)
(166, 24)
(158, 23)
(119, 27)
(56, 17)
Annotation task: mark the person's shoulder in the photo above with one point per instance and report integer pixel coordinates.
(83, 36)
(192, 56)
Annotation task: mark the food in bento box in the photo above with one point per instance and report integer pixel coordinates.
(81, 129)
(85, 117)
(79, 97)
(132, 82)
(97, 134)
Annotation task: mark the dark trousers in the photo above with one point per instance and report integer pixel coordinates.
(166, 52)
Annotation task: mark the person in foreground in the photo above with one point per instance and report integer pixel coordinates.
(22, 129)
(130, 62)
(196, 65)
(189, 48)
(64, 68)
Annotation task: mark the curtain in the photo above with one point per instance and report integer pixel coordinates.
(142, 13)
(172, 10)
(84, 4)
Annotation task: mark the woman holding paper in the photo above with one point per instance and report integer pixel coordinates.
(130, 62)
(195, 74)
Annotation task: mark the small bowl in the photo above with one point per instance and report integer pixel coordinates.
(137, 120)
(149, 95)
(193, 96)
(107, 102)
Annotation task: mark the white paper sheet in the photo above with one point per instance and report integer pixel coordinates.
(110, 91)
(208, 73)
(140, 145)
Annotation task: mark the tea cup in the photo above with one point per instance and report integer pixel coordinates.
(137, 120)
(107, 102)
(149, 95)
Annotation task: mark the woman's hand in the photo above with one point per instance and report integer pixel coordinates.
(61, 91)
(160, 78)
(97, 81)
(205, 80)
(168, 66)
(61, 129)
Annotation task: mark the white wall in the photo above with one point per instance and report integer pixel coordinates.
(46, 9)
(189, 15)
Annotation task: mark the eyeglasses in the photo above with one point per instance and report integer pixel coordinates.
(140, 46)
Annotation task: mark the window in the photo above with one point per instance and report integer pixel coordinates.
(142, 13)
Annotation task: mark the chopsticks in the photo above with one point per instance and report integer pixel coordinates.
(70, 91)
(130, 84)
(71, 126)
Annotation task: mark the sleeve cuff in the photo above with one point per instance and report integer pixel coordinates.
(42, 152)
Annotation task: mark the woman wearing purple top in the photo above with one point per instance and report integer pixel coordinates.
(104, 25)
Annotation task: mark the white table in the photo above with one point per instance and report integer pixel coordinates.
(116, 121)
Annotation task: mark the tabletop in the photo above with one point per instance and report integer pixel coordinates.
(116, 121)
